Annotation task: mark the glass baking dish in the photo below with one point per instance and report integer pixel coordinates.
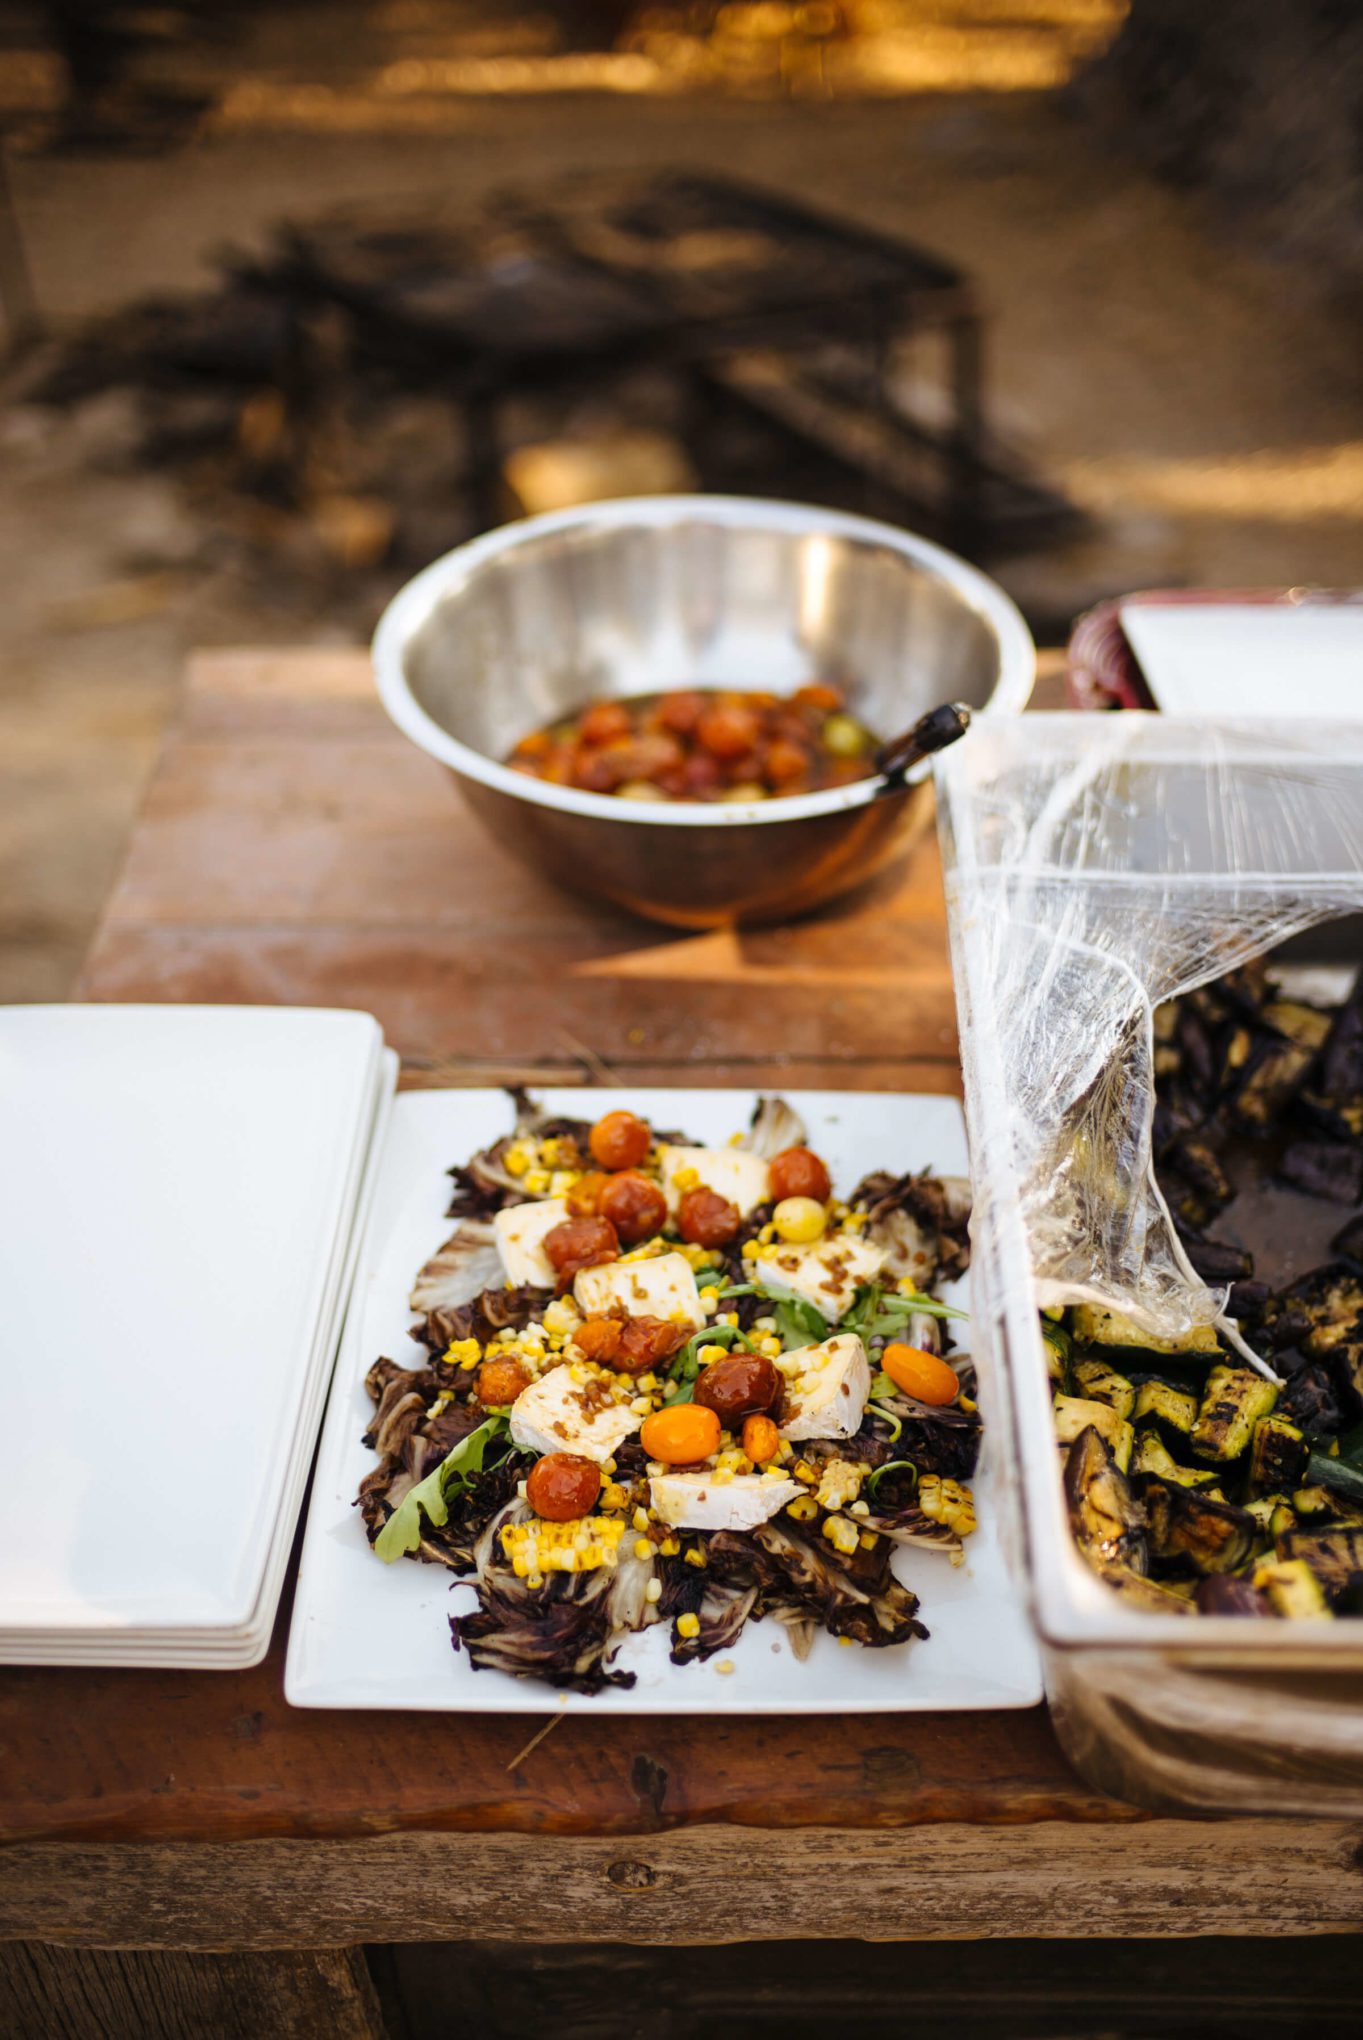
(1094, 867)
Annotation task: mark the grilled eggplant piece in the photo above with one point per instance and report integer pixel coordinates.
(1172, 1411)
(1152, 1456)
(1324, 1168)
(1312, 1400)
(1139, 1592)
(1348, 1241)
(1292, 1588)
(1277, 1457)
(1319, 1504)
(1215, 1261)
(1073, 1415)
(1107, 1520)
(1095, 1381)
(1335, 1557)
(1230, 1594)
(1235, 1400)
(1184, 1525)
(1114, 1333)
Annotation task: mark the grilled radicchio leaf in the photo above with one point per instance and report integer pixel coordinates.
(920, 1224)
(775, 1127)
(467, 1264)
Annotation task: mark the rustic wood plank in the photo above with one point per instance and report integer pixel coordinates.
(698, 1885)
(160, 1994)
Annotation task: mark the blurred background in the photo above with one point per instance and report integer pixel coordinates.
(295, 296)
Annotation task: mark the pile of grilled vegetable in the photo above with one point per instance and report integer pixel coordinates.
(1195, 1482)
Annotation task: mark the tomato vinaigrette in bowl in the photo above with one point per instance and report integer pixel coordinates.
(703, 745)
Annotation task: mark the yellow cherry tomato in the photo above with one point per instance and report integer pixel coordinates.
(682, 1435)
(799, 1220)
(921, 1375)
(761, 1440)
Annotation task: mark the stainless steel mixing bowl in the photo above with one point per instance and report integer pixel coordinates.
(525, 624)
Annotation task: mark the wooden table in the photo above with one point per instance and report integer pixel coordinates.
(294, 848)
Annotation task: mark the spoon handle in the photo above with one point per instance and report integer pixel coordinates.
(932, 732)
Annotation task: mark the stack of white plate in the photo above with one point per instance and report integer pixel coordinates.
(182, 1191)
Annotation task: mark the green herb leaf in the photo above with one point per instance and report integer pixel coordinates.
(402, 1532)
(881, 1385)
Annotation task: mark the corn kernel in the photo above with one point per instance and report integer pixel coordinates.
(464, 1353)
(640, 1519)
(516, 1160)
(802, 1470)
(696, 1555)
(688, 1625)
(670, 1546)
(613, 1496)
(537, 1182)
(687, 1179)
(653, 1591)
(728, 1317)
(842, 1535)
(868, 1540)
(804, 1509)
(860, 1509)
(709, 1353)
(709, 1296)
(642, 1548)
(751, 1250)
(725, 1666)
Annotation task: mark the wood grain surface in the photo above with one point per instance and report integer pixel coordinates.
(294, 848)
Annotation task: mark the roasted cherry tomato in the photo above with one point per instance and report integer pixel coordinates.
(798, 1172)
(783, 762)
(681, 711)
(705, 1219)
(579, 1243)
(682, 1435)
(501, 1381)
(599, 1339)
(921, 1375)
(728, 732)
(563, 1485)
(647, 1342)
(740, 1385)
(819, 696)
(605, 723)
(621, 1140)
(635, 1206)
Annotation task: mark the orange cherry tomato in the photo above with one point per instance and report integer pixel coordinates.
(921, 1375)
(605, 722)
(680, 1436)
(599, 1338)
(501, 1381)
(727, 732)
(620, 1140)
(578, 1243)
(761, 1440)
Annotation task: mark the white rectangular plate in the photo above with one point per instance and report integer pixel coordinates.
(369, 1635)
(173, 1226)
(1251, 658)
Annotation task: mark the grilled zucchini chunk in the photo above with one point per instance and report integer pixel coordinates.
(1235, 1400)
(1153, 1456)
(1058, 1348)
(1173, 1411)
(1334, 1556)
(1182, 1524)
(1107, 1520)
(1277, 1457)
(1319, 1504)
(1073, 1415)
(1273, 1513)
(1097, 1382)
(1292, 1589)
(1109, 1329)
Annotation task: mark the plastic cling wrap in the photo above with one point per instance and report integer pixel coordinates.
(1097, 866)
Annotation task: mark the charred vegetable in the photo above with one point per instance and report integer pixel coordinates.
(1073, 1414)
(1183, 1524)
(1232, 1406)
(1107, 1520)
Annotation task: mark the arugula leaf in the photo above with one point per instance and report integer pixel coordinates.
(402, 1532)
(798, 1323)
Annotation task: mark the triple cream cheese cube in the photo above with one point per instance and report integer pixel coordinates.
(828, 1395)
(743, 1178)
(693, 1501)
(558, 1414)
(827, 1274)
(520, 1231)
(663, 1287)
